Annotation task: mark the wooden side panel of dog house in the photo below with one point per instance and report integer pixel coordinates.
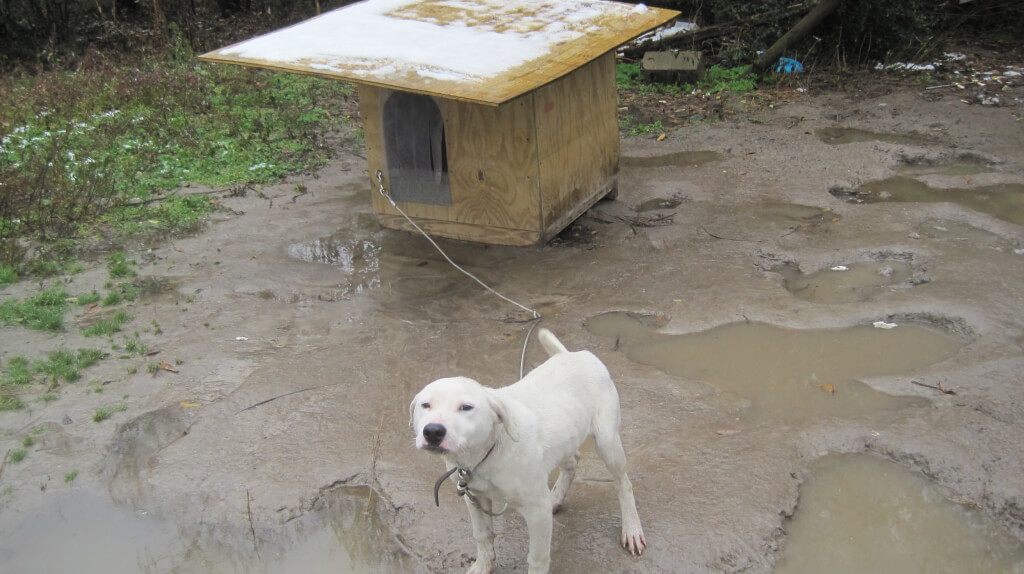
(578, 142)
(493, 167)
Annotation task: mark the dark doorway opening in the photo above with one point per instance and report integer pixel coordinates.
(416, 149)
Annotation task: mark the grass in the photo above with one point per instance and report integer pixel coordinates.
(108, 326)
(101, 148)
(44, 312)
(88, 298)
(120, 266)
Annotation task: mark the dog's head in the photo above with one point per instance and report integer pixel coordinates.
(455, 415)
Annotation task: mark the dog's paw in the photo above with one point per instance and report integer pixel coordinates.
(633, 540)
(482, 567)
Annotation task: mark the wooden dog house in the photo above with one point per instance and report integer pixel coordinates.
(488, 120)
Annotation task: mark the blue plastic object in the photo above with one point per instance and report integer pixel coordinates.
(789, 65)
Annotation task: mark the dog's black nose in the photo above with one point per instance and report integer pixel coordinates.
(434, 433)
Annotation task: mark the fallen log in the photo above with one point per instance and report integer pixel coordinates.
(802, 28)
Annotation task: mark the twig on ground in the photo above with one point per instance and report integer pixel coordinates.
(261, 403)
(940, 387)
(252, 529)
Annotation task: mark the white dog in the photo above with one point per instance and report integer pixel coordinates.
(504, 443)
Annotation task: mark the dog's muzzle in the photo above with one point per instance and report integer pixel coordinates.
(433, 434)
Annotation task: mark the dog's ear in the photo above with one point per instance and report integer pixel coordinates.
(412, 410)
(499, 409)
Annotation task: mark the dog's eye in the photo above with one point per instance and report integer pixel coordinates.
(425, 405)
(466, 407)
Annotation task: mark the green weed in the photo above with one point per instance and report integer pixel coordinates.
(106, 143)
(8, 275)
(17, 455)
(646, 129)
(10, 402)
(59, 365)
(28, 441)
(101, 414)
(44, 312)
(89, 298)
(108, 326)
(19, 372)
(719, 79)
(71, 476)
(120, 266)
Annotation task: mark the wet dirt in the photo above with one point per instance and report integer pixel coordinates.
(861, 514)
(778, 374)
(301, 330)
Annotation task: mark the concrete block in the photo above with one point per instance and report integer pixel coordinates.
(673, 66)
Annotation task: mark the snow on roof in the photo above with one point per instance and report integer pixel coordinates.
(477, 50)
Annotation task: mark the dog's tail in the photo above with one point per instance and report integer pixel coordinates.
(550, 343)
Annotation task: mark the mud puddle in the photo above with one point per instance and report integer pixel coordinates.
(660, 203)
(860, 514)
(953, 230)
(855, 282)
(79, 529)
(956, 169)
(679, 159)
(786, 374)
(1004, 200)
(841, 136)
(796, 213)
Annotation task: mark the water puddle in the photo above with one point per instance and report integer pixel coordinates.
(1003, 200)
(840, 136)
(855, 282)
(859, 514)
(678, 159)
(786, 374)
(358, 258)
(79, 529)
(659, 203)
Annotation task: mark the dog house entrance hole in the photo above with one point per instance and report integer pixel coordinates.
(416, 149)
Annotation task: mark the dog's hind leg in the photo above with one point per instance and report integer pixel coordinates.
(609, 448)
(566, 472)
(483, 533)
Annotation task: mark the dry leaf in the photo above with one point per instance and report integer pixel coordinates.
(188, 404)
(835, 219)
(167, 367)
(662, 137)
(830, 389)
(727, 432)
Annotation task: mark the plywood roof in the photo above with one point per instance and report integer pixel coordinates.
(483, 51)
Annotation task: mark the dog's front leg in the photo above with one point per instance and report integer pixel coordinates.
(483, 533)
(538, 524)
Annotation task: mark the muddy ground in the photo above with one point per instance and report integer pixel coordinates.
(302, 293)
